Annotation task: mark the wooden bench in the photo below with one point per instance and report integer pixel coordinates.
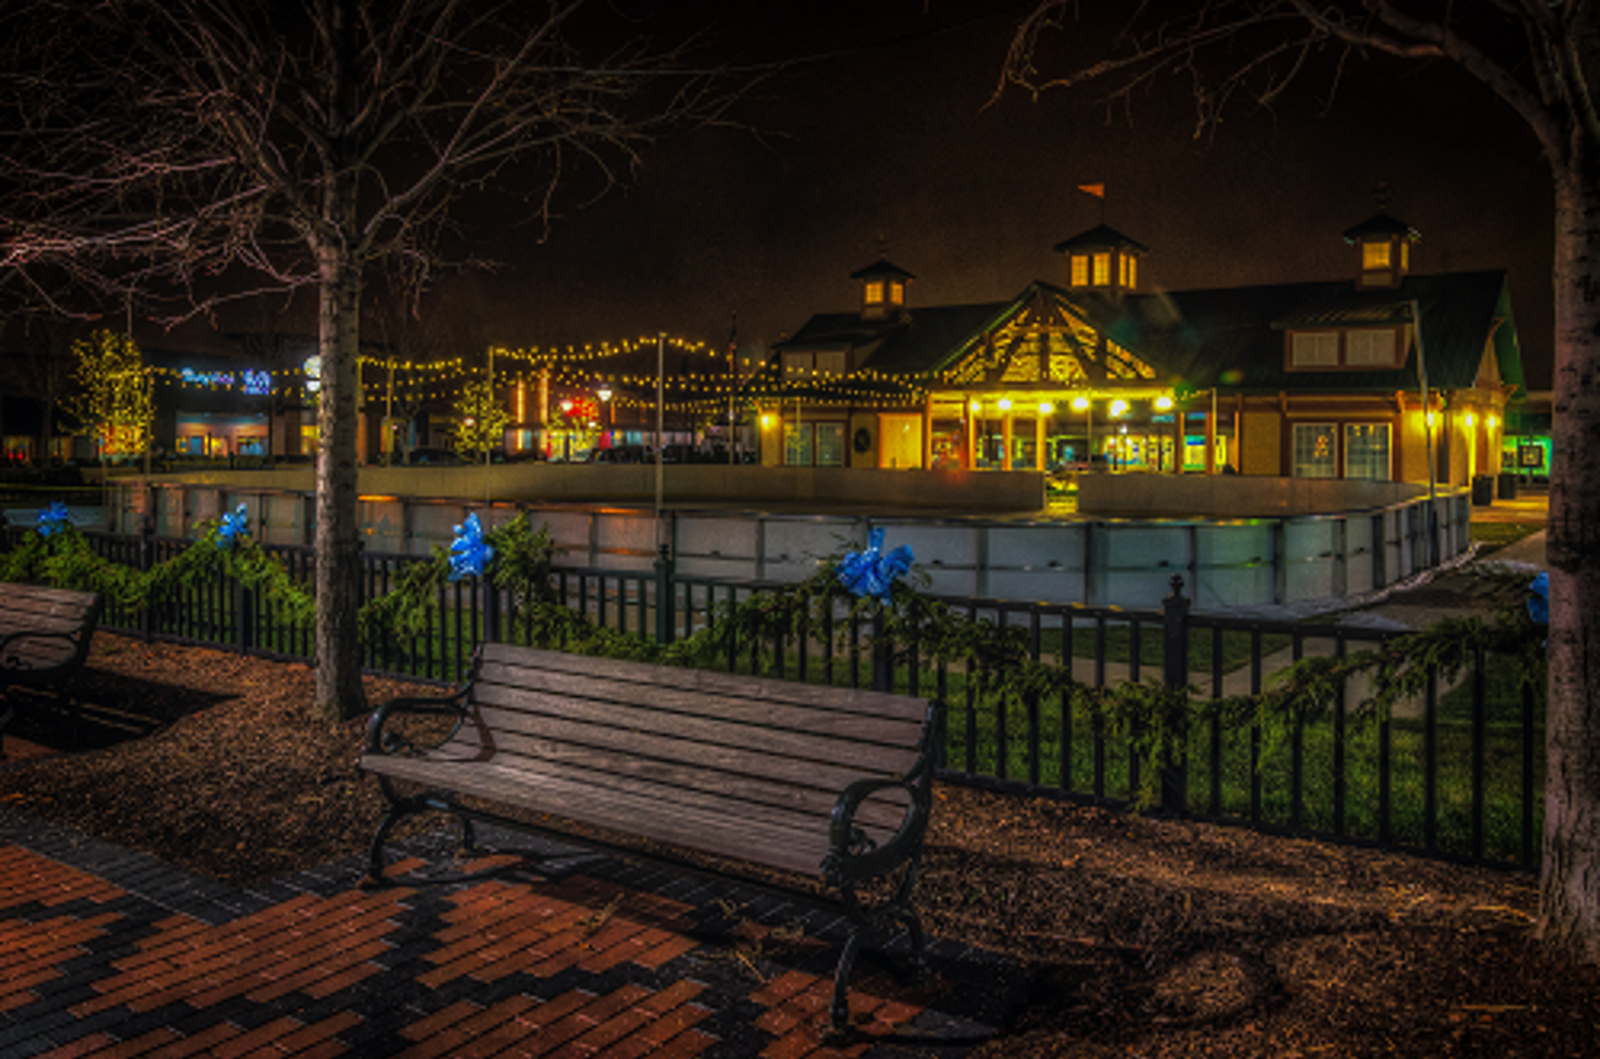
(44, 640)
(828, 783)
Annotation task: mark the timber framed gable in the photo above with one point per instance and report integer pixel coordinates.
(1044, 341)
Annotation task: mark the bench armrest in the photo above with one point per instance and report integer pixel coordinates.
(77, 638)
(853, 856)
(379, 741)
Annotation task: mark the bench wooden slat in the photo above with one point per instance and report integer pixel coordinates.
(764, 842)
(603, 753)
(771, 689)
(718, 705)
(875, 759)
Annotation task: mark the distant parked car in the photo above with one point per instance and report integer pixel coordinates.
(433, 457)
(621, 454)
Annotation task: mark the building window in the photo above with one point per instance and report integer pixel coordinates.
(875, 292)
(830, 444)
(1080, 270)
(797, 365)
(1314, 349)
(831, 363)
(1366, 451)
(1314, 445)
(1370, 348)
(897, 293)
(1102, 270)
(1130, 272)
(1374, 255)
(797, 444)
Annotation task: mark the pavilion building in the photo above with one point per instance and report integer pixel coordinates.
(1382, 374)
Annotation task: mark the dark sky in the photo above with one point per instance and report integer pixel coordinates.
(892, 138)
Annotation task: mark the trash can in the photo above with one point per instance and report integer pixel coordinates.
(1482, 491)
(1508, 486)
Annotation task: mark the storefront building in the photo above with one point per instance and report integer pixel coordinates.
(1382, 374)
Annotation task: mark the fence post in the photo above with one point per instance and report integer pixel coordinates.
(665, 592)
(1175, 674)
(491, 609)
(147, 527)
(882, 656)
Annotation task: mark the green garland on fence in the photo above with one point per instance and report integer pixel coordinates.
(1155, 719)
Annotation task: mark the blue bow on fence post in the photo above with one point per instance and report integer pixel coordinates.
(54, 519)
(870, 572)
(470, 554)
(1539, 599)
(233, 526)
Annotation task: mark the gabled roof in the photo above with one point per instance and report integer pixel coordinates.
(1100, 237)
(910, 342)
(881, 267)
(1234, 337)
(1227, 337)
(1380, 225)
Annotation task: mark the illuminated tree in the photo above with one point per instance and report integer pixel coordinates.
(213, 149)
(1535, 55)
(481, 420)
(113, 400)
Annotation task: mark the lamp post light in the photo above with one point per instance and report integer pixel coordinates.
(1081, 404)
(604, 393)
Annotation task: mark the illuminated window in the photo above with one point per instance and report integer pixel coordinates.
(1102, 269)
(1314, 349)
(1080, 270)
(1374, 255)
(1314, 450)
(897, 293)
(830, 444)
(1130, 271)
(1366, 451)
(797, 444)
(875, 292)
(797, 365)
(1370, 347)
(830, 362)
(1405, 255)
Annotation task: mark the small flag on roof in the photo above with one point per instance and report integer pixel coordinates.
(1097, 190)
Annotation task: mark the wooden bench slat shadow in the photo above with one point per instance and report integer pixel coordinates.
(828, 783)
(45, 635)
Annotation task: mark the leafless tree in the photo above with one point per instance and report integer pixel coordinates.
(209, 149)
(1536, 56)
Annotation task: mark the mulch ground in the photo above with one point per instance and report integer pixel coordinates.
(1142, 937)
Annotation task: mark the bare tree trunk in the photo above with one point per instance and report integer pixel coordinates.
(338, 541)
(1569, 884)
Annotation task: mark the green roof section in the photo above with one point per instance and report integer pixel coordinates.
(1229, 338)
(883, 267)
(1381, 226)
(1101, 237)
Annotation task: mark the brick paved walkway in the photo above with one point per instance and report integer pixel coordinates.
(534, 950)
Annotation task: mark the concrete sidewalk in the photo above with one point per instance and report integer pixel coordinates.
(110, 952)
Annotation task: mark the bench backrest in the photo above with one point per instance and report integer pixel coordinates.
(773, 751)
(40, 609)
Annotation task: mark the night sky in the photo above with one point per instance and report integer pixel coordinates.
(891, 137)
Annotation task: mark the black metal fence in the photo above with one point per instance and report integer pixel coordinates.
(1456, 774)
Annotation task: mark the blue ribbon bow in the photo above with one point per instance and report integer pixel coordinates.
(233, 526)
(54, 519)
(870, 572)
(470, 554)
(1539, 599)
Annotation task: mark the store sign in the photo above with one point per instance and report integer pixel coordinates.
(253, 382)
(1530, 455)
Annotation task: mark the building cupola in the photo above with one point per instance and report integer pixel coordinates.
(1102, 259)
(1384, 248)
(883, 289)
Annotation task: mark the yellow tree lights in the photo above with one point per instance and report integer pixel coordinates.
(481, 420)
(114, 400)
